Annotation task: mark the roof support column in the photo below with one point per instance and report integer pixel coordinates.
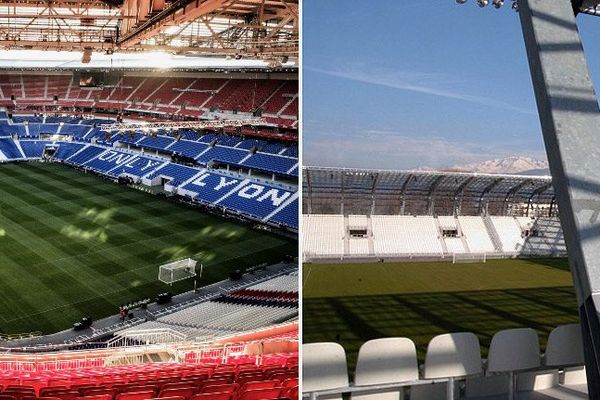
(569, 116)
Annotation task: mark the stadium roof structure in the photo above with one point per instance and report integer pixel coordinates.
(368, 191)
(22, 60)
(236, 28)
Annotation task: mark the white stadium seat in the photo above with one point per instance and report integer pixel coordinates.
(386, 360)
(324, 367)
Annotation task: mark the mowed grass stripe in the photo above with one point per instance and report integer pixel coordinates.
(353, 303)
(75, 245)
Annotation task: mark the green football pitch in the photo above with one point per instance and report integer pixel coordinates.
(353, 303)
(73, 244)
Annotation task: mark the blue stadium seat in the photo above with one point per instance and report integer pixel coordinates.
(288, 216)
(67, 149)
(86, 155)
(9, 130)
(33, 148)
(256, 199)
(35, 130)
(9, 149)
(270, 163)
(158, 142)
(77, 131)
(177, 173)
(115, 163)
(188, 148)
(225, 154)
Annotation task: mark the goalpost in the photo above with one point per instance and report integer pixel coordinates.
(458, 258)
(178, 270)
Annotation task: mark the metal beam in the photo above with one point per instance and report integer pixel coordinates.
(569, 116)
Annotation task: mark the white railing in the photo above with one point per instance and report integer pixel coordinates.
(145, 337)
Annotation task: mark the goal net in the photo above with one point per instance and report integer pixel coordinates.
(177, 271)
(458, 258)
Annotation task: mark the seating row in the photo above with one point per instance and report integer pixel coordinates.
(387, 368)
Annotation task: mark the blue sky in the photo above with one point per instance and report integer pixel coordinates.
(412, 83)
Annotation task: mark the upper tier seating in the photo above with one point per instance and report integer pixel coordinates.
(184, 96)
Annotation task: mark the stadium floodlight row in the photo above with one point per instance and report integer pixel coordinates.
(147, 160)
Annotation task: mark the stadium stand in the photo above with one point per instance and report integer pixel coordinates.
(278, 99)
(376, 215)
(232, 371)
(255, 306)
(254, 198)
(323, 234)
(423, 236)
(387, 367)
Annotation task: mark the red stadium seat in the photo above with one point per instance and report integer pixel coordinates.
(291, 382)
(290, 393)
(259, 385)
(213, 396)
(135, 395)
(249, 378)
(226, 388)
(260, 394)
(185, 392)
(97, 397)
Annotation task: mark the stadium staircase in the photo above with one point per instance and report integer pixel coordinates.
(346, 236)
(18, 144)
(370, 235)
(462, 236)
(493, 233)
(441, 236)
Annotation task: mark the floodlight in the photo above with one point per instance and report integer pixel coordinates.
(461, 1)
(498, 3)
(483, 3)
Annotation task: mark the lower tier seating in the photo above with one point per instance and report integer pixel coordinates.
(237, 380)
(428, 236)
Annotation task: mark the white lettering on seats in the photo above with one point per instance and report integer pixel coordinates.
(198, 181)
(274, 196)
(251, 191)
(223, 182)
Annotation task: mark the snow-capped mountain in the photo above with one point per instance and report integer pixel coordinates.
(510, 165)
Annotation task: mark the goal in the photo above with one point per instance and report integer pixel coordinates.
(458, 258)
(177, 271)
